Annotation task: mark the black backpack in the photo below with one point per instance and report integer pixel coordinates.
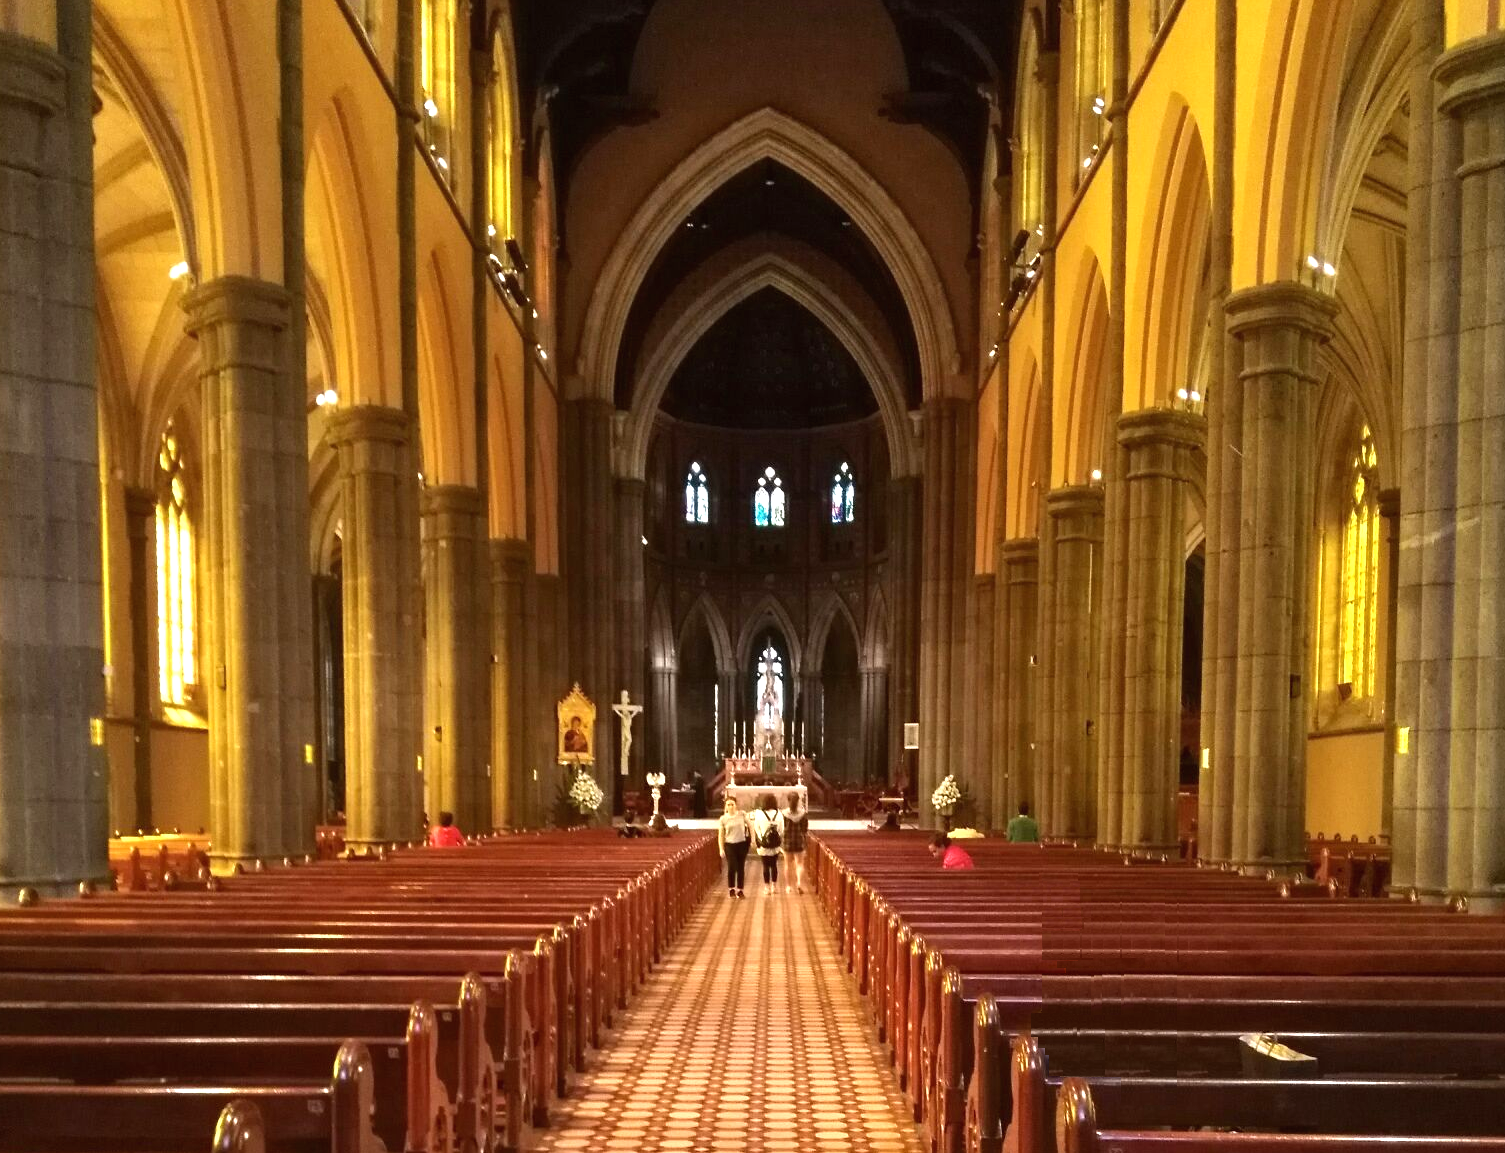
(771, 839)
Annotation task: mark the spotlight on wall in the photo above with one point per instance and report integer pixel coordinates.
(543, 353)
(431, 108)
(993, 353)
(178, 270)
(1320, 267)
(1099, 105)
(1097, 476)
(491, 231)
(328, 398)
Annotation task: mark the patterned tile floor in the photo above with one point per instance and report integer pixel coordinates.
(749, 1037)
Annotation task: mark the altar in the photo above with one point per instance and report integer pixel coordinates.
(748, 797)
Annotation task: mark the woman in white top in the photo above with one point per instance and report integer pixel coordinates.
(732, 835)
(768, 835)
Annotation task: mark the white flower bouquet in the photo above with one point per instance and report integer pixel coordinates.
(585, 794)
(946, 795)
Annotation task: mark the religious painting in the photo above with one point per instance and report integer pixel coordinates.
(577, 729)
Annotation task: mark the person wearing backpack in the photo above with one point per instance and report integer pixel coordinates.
(768, 836)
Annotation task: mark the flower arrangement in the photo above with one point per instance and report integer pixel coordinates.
(584, 793)
(946, 794)
(966, 834)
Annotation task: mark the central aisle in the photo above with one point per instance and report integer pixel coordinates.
(750, 1036)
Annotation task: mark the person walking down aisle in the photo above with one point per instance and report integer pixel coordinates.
(732, 834)
(796, 828)
(768, 835)
(1023, 829)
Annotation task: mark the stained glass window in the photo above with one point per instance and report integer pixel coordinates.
(697, 496)
(176, 627)
(768, 500)
(770, 688)
(1361, 569)
(843, 496)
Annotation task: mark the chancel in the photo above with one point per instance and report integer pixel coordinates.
(1013, 488)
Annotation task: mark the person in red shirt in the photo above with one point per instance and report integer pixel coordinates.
(952, 856)
(444, 835)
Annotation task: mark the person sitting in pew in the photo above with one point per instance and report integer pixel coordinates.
(1023, 829)
(630, 826)
(444, 835)
(952, 856)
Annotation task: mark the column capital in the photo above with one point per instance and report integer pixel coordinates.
(511, 558)
(451, 512)
(369, 422)
(1074, 500)
(1018, 554)
(1471, 74)
(1281, 304)
(452, 499)
(32, 76)
(1161, 426)
(236, 300)
(140, 506)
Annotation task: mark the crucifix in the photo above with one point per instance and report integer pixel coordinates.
(628, 712)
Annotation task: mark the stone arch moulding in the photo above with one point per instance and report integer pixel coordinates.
(721, 639)
(768, 134)
(800, 284)
(820, 631)
(875, 636)
(770, 611)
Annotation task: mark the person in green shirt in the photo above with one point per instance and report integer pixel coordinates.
(1023, 829)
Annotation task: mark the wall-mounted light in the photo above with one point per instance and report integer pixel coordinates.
(431, 108)
(1097, 476)
(442, 163)
(543, 353)
(1320, 267)
(992, 352)
(178, 270)
(1099, 105)
(491, 231)
(327, 398)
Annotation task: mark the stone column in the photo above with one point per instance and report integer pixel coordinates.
(1472, 79)
(808, 713)
(631, 608)
(383, 624)
(141, 532)
(258, 616)
(1390, 518)
(1158, 445)
(727, 679)
(586, 556)
(1016, 664)
(510, 682)
(1069, 789)
(1424, 624)
(457, 675)
(945, 571)
(54, 802)
(981, 688)
(663, 712)
(1278, 329)
(874, 736)
(903, 580)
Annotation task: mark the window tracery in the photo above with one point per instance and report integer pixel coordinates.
(843, 496)
(177, 632)
(769, 500)
(1359, 608)
(697, 496)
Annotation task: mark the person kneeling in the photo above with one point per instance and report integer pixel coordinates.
(952, 856)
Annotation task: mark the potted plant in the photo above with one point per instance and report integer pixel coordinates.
(946, 797)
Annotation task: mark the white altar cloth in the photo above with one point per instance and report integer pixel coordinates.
(748, 796)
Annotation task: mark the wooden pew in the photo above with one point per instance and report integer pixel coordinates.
(1356, 1115)
(332, 1117)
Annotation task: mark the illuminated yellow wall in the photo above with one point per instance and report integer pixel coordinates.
(1343, 784)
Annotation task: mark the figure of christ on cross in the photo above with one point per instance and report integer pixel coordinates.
(627, 711)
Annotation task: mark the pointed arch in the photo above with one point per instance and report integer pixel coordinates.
(1171, 280)
(829, 610)
(344, 225)
(1084, 360)
(768, 134)
(663, 644)
(812, 281)
(1024, 444)
(444, 360)
(769, 611)
(706, 607)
